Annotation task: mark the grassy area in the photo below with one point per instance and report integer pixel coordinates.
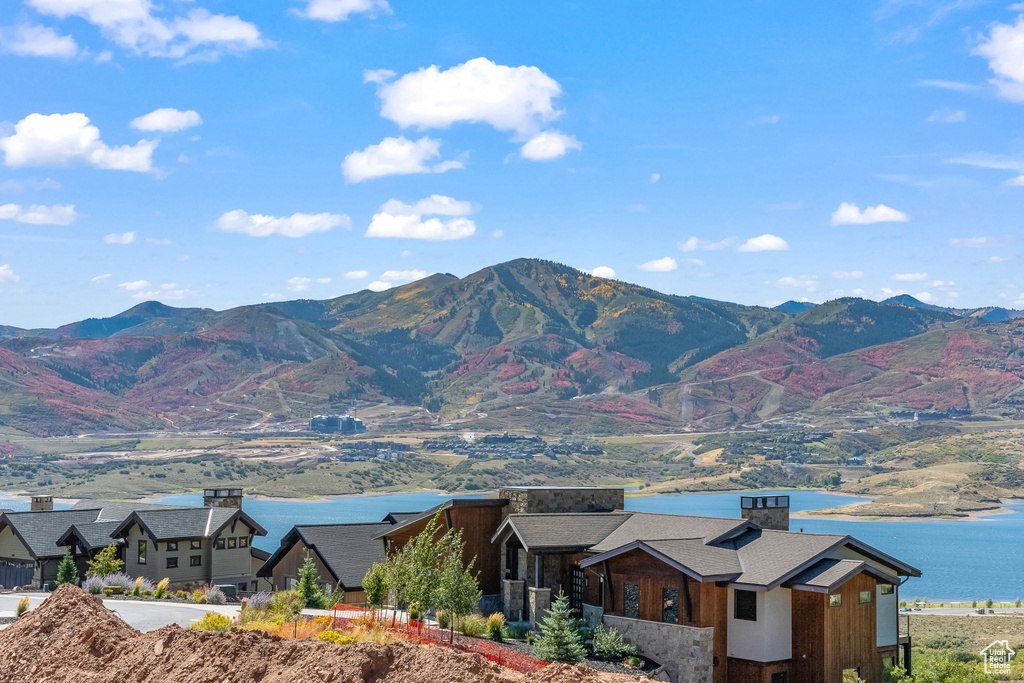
(941, 639)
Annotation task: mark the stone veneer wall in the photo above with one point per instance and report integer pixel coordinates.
(686, 652)
(547, 500)
(540, 603)
(768, 518)
(512, 599)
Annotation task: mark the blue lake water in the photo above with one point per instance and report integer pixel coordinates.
(974, 559)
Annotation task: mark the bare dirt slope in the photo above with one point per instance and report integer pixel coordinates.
(72, 638)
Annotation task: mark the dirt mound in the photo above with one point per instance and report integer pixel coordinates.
(72, 638)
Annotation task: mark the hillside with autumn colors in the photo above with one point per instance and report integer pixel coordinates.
(527, 343)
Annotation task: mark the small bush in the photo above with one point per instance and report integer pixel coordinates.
(496, 627)
(109, 592)
(213, 622)
(474, 625)
(199, 595)
(635, 662)
(181, 595)
(286, 602)
(93, 584)
(517, 631)
(160, 591)
(22, 606)
(147, 593)
(608, 644)
(214, 596)
(988, 603)
(414, 612)
(337, 637)
(944, 641)
(259, 600)
(444, 620)
(137, 588)
(121, 579)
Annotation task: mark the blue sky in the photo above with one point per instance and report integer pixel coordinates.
(217, 153)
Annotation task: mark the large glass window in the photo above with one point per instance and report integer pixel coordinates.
(670, 604)
(745, 605)
(631, 600)
(142, 552)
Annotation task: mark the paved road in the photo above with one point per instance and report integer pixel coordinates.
(142, 615)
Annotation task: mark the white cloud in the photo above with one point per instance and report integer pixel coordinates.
(1015, 182)
(378, 75)
(694, 243)
(29, 40)
(341, 10)
(36, 214)
(396, 156)
(910, 277)
(299, 284)
(947, 115)
(765, 120)
(159, 241)
(603, 271)
(926, 297)
(120, 238)
(390, 278)
(7, 274)
(323, 280)
(1004, 50)
(956, 86)
(661, 265)
(766, 242)
(848, 274)
(943, 283)
(850, 214)
(693, 262)
(16, 186)
(497, 234)
(887, 292)
(998, 259)
(101, 278)
(167, 120)
(405, 221)
(549, 145)
(655, 177)
(134, 286)
(978, 242)
(808, 282)
(168, 291)
(356, 274)
(64, 139)
(132, 25)
(296, 225)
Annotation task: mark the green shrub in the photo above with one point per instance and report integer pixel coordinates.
(105, 563)
(946, 641)
(474, 625)
(609, 644)
(635, 662)
(517, 631)
(22, 606)
(496, 627)
(414, 612)
(560, 640)
(988, 603)
(137, 588)
(108, 592)
(308, 587)
(213, 622)
(161, 591)
(336, 637)
(146, 592)
(286, 602)
(199, 596)
(181, 595)
(444, 620)
(67, 572)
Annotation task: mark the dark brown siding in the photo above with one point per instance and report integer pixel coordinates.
(746, 671)
(288, 567)
(809, 636)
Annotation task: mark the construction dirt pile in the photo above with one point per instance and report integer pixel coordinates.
(73, 638)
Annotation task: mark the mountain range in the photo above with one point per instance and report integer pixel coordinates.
(526, 343)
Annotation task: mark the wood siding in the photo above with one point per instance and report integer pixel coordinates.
(746, 671)
(287, 567)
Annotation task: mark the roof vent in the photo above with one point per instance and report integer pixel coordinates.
(769, 512)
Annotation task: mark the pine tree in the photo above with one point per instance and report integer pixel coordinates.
(307, 588)
(67, 572)
(560, 640)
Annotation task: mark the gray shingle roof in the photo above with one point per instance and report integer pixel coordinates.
(770, 557)
(649, 526)
(95, 536)
(175, 523)
(348, 549)
(39, 531)
(563, 530)
(827, 575)
(115, 510)
(703, 560)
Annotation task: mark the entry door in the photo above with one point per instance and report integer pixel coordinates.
(579, 588)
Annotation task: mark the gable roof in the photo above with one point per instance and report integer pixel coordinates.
(175, 523)
(116, 510)
(95, 536)
(402, 517)
(347, 550)
(827, 575)
(408, 519)
(561, 531)
(39, 531)
(689, 555)
(651, 526)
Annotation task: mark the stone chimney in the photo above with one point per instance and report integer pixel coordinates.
(42, 503)
(769, 512)
(222, 498)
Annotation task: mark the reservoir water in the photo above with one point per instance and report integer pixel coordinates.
(960, 559)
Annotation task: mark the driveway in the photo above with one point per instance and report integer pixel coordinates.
(139, 614)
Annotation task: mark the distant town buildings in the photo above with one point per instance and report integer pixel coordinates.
(336, 424)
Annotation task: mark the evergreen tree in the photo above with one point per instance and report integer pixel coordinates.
(308, 588)
(560, 640)
(67, 572)
(105, 563)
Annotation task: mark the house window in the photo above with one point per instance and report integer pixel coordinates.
(745, 605)
(243, 541)
(232, 543)
(172, 563)
(220, 543)
(779, 677)
(835, 600)
(142, 552)
(670, 604)
(631, 600)
(172, 545)
(865, 597)
(195, 561)
(196, 545)
(888, 589)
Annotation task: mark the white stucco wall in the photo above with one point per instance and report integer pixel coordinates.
(886, 617)
(769, 639)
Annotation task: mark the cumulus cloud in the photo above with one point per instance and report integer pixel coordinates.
(694, 243)
(7, 274)
(1004, 50)
(378, 75)
(134, 286)
(29, 40)
(299, 284)
(396, 156)
(655, 177)
(549, 145)
(850, 214)
(947, 115)
(340, 10)
(296, 225)
(926, 297)
(356, 274)
(391, 278)
(848, 274)
(37, 214)
(808, 282)
(766, 242)
(133, 25)
(323, 280)
(65, 139)
(603, 271)
(399, 220)
(661, 265)
(167, 120)
(120, 238)
(910, 277)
